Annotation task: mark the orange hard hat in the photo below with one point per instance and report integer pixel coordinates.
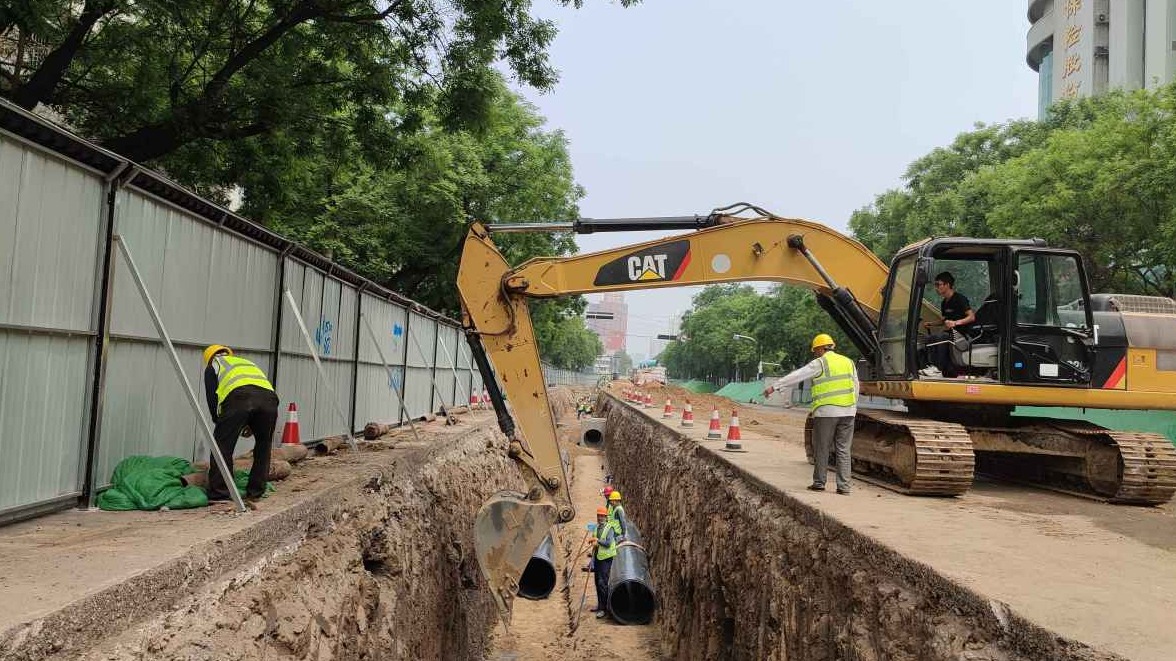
(601, 511)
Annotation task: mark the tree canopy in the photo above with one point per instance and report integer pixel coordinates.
(1097, 176)
(782, 323)
(373, 131)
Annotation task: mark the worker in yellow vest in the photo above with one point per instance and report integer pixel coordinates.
(604, 549)
(835, 396)
(240, 400)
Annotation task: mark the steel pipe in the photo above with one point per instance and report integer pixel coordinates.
(538, 578)
(631, 598)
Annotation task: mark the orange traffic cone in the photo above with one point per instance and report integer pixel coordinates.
(473, 400)
(716, 428)
(290, 434)
(485, 399)
(648, 400)
(733, 435)
(687, 415)
(668, 412)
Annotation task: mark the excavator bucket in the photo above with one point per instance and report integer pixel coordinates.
(508, 530)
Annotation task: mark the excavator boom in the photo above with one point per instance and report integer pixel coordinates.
(511, 525)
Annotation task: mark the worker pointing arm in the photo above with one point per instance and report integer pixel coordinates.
(835, 394)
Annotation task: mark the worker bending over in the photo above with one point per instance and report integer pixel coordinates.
(604, 549)
(835, 394)
(239, 396)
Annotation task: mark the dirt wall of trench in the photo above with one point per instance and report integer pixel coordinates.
(743, 571)
(384, 568)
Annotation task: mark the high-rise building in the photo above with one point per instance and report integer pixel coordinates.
(610, 320)
(1085, 47)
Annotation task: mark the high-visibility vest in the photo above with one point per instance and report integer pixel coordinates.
(614, 519)
(233, 372)
(834, 385)
(605, 552)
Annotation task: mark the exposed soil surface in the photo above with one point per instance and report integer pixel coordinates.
(366, 556)
(1004, 571)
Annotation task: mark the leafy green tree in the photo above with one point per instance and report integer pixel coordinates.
(1098, 175)
(147, 77)
(1107, 189)
(564, 340)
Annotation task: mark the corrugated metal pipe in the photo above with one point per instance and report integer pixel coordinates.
(538, 578)
(631, 598)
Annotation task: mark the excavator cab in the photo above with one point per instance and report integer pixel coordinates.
(1033, 321)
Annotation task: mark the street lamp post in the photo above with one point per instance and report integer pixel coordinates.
(737, 336)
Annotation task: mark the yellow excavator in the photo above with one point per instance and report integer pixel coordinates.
(1040, 338)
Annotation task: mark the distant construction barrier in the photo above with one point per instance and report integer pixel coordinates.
(87, 380)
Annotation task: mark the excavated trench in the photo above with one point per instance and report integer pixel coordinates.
(744, 571)
(380, 567)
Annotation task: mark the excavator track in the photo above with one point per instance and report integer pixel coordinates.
(1136, 468)
(911, 455)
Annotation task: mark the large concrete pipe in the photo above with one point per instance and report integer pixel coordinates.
(592, 432)
(538, 578)
(631, 598)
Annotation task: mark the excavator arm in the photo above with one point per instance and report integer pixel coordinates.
(494, 296)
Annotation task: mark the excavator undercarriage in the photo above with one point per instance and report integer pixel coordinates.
(927, 457)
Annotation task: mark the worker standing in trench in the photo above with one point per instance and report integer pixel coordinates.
(604, 549)
(240, 398)
(835, 396)
(616, 515)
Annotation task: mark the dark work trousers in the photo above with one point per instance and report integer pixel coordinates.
(940, 354)
(832, 435)
(258, 408)
(602, 569)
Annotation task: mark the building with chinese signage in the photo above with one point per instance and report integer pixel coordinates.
(1085, 47)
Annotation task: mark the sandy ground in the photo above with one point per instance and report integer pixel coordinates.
(1102, 574)
(560, 627)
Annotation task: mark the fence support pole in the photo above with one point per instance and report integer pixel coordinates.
(349, 435)
(114, 184)
(171, 350)
(388, 369)
(456, 381)
(433, 377)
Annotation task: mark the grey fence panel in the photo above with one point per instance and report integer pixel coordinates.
(50, 218)
(43, 416)
(418, 391)
(209, 288)
(215, 277)
(375, 402)
(464, 362)
(50, 213)
(421, 340)
(446, 365)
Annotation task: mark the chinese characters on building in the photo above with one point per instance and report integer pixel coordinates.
(1071, 37)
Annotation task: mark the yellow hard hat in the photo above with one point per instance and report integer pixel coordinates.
(212, 351)
(615, 495)
(823, 340)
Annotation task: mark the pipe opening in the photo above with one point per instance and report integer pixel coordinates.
(632, 602)
(538, 579)
(593, 437)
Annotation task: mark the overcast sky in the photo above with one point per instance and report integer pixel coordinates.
(808, 109)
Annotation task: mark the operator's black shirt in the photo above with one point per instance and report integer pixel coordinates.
(956, 307)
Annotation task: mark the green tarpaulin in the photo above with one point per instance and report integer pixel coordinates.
(149, 483)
